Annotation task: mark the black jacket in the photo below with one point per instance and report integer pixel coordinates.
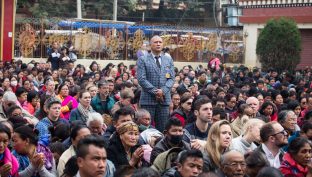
(260, 149)
(108, 133)
(116, 152)
(172, 172)
(163, 145)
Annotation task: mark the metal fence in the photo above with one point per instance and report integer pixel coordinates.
(98, 39)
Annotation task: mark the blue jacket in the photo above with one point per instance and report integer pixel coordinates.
(43, 127)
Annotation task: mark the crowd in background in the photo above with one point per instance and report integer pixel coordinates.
(62, 119)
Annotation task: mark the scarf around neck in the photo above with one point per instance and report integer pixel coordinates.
(84, 112)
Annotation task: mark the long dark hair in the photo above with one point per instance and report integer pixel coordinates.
(265, 105)
(295, 145)
(28, 132)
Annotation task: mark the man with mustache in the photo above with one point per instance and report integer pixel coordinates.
(273, 137)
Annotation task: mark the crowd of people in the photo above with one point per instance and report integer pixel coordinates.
(152, 119)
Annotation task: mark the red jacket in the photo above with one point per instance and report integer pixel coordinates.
(290, 168)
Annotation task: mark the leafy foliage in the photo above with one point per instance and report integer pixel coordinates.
(196, 11)
(48, 8)
(279, 45)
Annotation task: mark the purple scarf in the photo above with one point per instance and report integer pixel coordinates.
(47, 154)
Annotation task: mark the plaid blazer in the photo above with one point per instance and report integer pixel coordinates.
(151, 77)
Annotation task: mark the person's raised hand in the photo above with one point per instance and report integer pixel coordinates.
(70, 104)
(195, 144)
(35, 161)
(5, 170)
(136, 156)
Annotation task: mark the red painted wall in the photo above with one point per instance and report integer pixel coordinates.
(262, 15)
(7, 27)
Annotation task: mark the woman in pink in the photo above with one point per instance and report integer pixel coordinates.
(68, 102)
(8, 163)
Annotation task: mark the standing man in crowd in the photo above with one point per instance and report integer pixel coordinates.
(156, 77)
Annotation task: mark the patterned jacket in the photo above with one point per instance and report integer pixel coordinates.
(151, 78)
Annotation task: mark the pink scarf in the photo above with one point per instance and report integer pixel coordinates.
(65, 101)
(9, 158)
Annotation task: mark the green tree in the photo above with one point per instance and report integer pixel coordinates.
(103, 9)
(100, 9)
(197, 12)
(49, 8)
(279, 45)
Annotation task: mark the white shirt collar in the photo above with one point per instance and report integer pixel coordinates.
(274, 160)
(155, 58)
(267, 151)
(155, 55)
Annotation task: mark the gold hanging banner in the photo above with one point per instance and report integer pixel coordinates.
(27, 40)
(189, 46)
(114, 42)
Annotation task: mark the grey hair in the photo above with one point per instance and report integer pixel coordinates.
(223, 159)
(140, 113)
(251, 99)
(283, 115)
(94, 116)
(156, 36)
(9, 96)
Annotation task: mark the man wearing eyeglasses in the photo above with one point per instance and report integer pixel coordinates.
(273, 137)
(288, 119)
(308, 106)
(232, 164)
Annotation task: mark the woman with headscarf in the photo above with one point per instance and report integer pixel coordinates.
(123, 147)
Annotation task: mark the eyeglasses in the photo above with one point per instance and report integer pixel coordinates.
(284, 132)
(236, 164)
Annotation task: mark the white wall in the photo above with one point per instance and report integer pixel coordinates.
(253, 30)
(103, 63)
